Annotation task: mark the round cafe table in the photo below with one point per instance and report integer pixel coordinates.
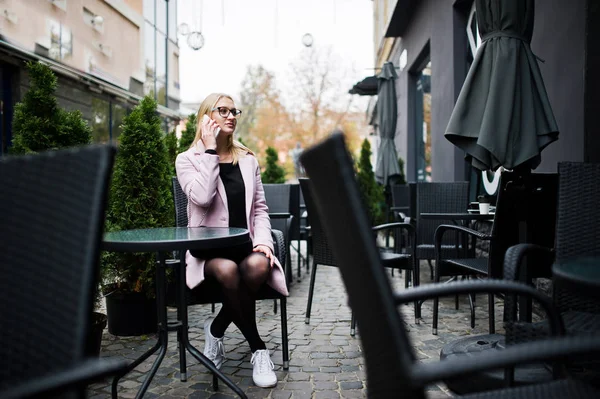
(162, 241)
(581, 275)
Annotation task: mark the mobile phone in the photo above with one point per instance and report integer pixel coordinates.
(206, 119)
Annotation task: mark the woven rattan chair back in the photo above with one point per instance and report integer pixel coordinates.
(181, 203)
(51, 227)
(321, 250)
(401, 200)
(577, 225)
(525, 212)
(447, 197)
(338, 207)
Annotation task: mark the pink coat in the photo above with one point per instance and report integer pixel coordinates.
(198, 175)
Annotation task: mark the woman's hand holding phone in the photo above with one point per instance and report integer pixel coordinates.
(210, 131)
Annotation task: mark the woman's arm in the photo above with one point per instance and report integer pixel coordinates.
(198, 175)
(262, 223)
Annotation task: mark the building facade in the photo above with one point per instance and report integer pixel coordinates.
(433, 42)
(107, 54)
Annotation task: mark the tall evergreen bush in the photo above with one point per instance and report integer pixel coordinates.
(188, 135)
(140, 196)
(372, 192)
(273, 173)
(171, 147)
(402, 178)
(39, 124)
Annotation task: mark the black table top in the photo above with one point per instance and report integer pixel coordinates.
(456, 216)
(583, 272)
(174, 238)
(279, 215)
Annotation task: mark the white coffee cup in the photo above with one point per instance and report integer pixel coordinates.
(484, 208)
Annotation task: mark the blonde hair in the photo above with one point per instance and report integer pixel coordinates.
(234, 147)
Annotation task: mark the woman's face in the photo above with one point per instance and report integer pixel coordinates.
(224, 115)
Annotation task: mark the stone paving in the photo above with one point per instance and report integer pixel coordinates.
(325, 361)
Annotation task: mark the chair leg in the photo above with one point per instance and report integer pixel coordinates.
(406, 277)
(310, 292)
(415, 283)
(491, 312)
(284, 335)
(353, 325)
(275, 306)
(436, 304)
(215, 382)
(430, 268)
(472, 305)
(213, 307)
(299, 259)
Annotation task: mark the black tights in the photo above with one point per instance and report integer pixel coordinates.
(239, 284)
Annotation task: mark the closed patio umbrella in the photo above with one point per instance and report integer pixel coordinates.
(387, 109)
(503, 116)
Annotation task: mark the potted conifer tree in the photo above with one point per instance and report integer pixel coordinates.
(188, 135)
(273, 173)
(39, 124)
(140, 197)
(372, 193)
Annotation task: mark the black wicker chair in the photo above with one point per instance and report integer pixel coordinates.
(577, 232)
(298, 230)
(51, 227)
(391, 365)
(400, 259)
(210, 292)
(403, 201)
(525, 212)
(447, 197)
(278, 197)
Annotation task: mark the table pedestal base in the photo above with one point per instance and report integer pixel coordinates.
(494, 379)
(181, 327)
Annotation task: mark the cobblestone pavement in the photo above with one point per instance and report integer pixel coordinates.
(325, 361)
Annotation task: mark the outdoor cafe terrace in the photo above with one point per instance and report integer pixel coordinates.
(325, 361)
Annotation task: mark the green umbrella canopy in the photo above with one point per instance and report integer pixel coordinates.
(503, 116)
(387, 109)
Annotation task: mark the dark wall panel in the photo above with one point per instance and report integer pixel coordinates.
(559, 39)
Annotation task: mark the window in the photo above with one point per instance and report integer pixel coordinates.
(117, 115)
(61, 40)
(423, 123)
(473, 31)
(161, 16)
(149, 11)
(100, 120)
(158, 28)
(172, 22)
(150, 58)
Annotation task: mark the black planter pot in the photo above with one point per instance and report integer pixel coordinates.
(131, 314)
(94, 338)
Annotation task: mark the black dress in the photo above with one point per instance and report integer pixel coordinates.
(231, 176)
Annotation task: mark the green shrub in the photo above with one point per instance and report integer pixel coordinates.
(171, 147)
(140, 197)
(372, 192)
(273, 172)
(39, 124)
(402, 179)
(188, 135)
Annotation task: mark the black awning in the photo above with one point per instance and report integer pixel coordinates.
(401, 18)
(366, 87)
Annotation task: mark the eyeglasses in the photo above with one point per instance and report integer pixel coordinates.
(224, 112)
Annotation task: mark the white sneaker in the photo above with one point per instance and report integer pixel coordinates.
(262, 372)
(213, 347)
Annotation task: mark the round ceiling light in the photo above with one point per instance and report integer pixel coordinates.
(195, 40)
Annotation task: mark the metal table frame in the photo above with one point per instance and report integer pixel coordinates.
(184, 238)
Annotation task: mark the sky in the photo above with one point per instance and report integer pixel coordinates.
(238, 33)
